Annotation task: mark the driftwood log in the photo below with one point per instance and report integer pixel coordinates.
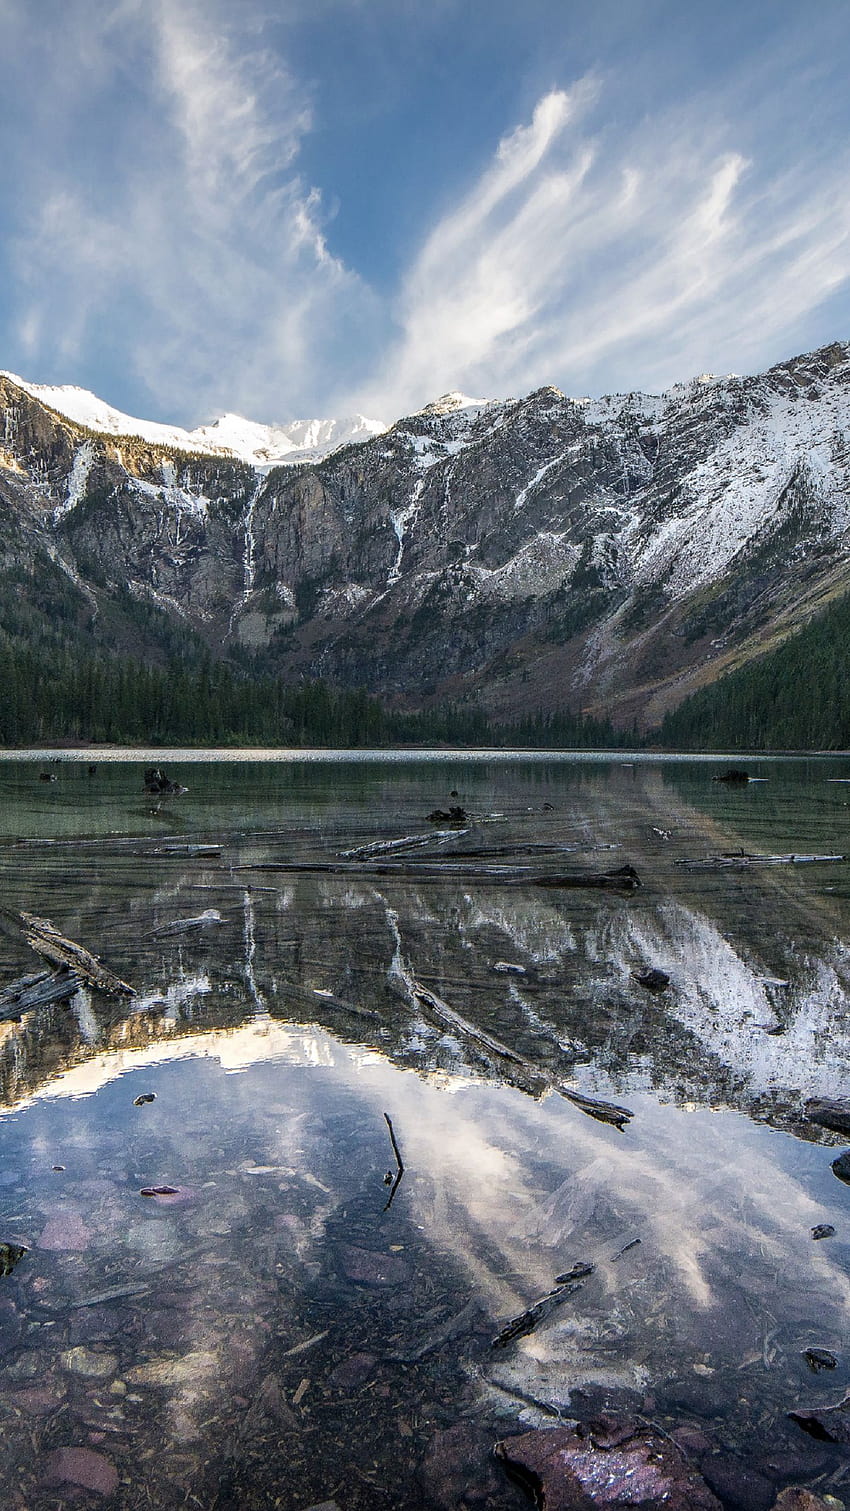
(451, 868)
(45, 939)
(38, 990)
(603, 1112)
(528, 1320)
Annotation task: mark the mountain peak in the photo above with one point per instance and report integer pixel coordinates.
(262, 446)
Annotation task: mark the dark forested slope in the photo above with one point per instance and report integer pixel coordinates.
(795, 698)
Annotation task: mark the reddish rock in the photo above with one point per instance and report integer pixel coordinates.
(38, 1401)
(82, 1466)
(366, 1268)
(353, 1371)
(64, 1230)
(568, 1471)
(458, 1468)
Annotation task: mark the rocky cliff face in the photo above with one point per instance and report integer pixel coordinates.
(546, 552)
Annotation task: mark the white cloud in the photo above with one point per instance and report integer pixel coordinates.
(580, 253)
(159, 216)
(208, 256)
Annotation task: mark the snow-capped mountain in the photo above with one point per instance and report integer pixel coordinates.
(263, 446)
(606, 553)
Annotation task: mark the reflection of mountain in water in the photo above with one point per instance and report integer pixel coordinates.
(549, 973)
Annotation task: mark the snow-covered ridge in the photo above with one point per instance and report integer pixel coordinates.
(263, 446)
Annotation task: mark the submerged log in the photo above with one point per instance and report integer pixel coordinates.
(742, 859)
(37, 990)
(528, 1320)
(398, 846)
(624, 879)
(603, 1112)
(47, 941)
(452, 868)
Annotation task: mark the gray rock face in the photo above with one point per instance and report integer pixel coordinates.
(544, 552)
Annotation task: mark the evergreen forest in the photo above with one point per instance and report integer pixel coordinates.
(796, 697)
(55, 693)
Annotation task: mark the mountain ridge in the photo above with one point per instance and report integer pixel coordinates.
(608, 555)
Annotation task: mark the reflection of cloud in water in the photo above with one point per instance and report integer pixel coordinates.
(513, 1191)
(516, 1192)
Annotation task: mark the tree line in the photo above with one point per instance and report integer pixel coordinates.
(55, 693)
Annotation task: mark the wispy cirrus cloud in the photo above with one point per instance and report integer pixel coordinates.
(207, 254)
(164, 243)
(581, 255)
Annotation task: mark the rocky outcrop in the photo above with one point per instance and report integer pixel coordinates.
(546, 552)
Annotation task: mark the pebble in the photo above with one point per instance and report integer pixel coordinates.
(173, 1371)
(84, 1361)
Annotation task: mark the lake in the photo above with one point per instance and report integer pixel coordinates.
(295, 1322)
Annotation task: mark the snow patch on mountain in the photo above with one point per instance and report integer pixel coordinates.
(262, 446)
(178, 499)
(737, 493)
(77, 480)
(538, 567)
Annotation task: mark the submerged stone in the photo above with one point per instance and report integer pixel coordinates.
(85, 1361)
(571, 1469)
(64, 1230)
(831, 1424)
(82, 1466)
(796, 1498)
(366, 1268)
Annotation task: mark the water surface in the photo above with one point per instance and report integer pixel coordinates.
(273, 1333)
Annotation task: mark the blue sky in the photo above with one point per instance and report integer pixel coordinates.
(300, 207)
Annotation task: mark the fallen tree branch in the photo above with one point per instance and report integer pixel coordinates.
(47, 941)
(742, 860)
(528, 1320)
(38, 990)
(398, 1159)
(603, 1112)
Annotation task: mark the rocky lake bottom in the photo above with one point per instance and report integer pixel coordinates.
(293, 1214)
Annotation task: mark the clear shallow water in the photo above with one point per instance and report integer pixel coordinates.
(274, 1335)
